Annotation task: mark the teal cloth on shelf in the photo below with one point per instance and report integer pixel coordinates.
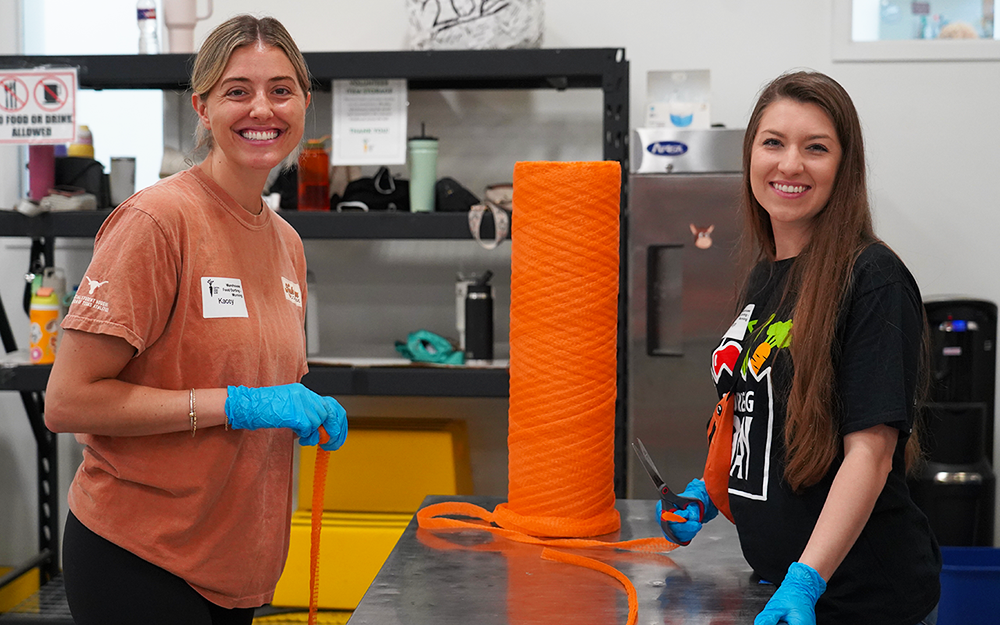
(425, 346)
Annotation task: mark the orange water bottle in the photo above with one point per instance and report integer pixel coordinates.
(44, 313)
(314, 177)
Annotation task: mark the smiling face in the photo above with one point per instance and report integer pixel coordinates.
(793, 167)
(255, 112)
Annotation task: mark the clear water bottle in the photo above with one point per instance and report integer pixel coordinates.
(145, 13)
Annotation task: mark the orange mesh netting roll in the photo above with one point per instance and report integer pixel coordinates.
(563, 349)
(563, 370)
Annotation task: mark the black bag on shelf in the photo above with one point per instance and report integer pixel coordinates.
(86, 174)
(286, 185)
(451, 196)
(381, 192)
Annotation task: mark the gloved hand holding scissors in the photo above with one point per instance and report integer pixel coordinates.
(687, 530)
(795, 600)
(290, 406)
(671, 505)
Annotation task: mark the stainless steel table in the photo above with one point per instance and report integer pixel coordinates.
(440, 578)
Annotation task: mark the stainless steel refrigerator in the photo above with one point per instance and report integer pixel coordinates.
(683, 230)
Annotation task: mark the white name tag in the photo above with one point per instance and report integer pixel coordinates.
(222, 297)
(739, 328)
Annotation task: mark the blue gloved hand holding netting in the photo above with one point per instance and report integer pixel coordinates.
(335, 425)
(291, 406)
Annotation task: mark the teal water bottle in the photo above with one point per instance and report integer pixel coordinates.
(423, 172)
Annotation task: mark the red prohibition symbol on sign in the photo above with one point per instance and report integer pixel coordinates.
(51, 93)
(13, 93)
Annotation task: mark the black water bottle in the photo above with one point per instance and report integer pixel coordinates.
(479, 319)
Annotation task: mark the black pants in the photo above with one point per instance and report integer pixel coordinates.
(107, 585)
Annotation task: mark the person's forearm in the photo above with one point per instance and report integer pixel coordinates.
(84, 395)
(856, 487)
(115, 408)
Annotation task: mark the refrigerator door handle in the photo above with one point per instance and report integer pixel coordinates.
(664, 309)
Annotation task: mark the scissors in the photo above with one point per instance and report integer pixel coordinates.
(671, 501)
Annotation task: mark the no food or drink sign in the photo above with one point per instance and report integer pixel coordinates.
(38, 106)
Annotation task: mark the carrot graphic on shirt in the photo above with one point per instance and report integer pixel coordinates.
(778, 335)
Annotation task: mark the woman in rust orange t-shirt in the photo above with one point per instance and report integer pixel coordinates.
(180, 362)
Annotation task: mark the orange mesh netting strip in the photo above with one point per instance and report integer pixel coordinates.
(590, 563)
(720, 455)
(432, 518)
(316, 523)
(563, 364)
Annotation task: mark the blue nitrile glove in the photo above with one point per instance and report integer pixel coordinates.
(335, 425)
(686, 531)
(290, 406)
(795, 600)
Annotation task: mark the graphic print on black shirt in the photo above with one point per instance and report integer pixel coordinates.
(753, 412)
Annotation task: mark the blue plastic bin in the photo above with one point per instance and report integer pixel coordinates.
(970, 586)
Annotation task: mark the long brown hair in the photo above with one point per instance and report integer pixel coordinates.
(821, 273)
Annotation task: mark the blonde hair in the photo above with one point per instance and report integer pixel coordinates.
(958, 30)
(218, 48)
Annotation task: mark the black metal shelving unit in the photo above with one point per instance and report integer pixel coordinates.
(570, 68)
(341, 380)
(310, 225)
(606, 69)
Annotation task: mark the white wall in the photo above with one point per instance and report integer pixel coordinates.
(932, 131)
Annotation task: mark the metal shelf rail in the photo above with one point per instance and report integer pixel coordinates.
(310, 225)
(389, 381)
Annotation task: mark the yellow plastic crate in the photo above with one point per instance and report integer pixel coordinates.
(374, 484)
(18, 590)
(353, 546)
(390, 465)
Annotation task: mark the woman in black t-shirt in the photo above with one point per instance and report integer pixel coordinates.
(824, 363)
